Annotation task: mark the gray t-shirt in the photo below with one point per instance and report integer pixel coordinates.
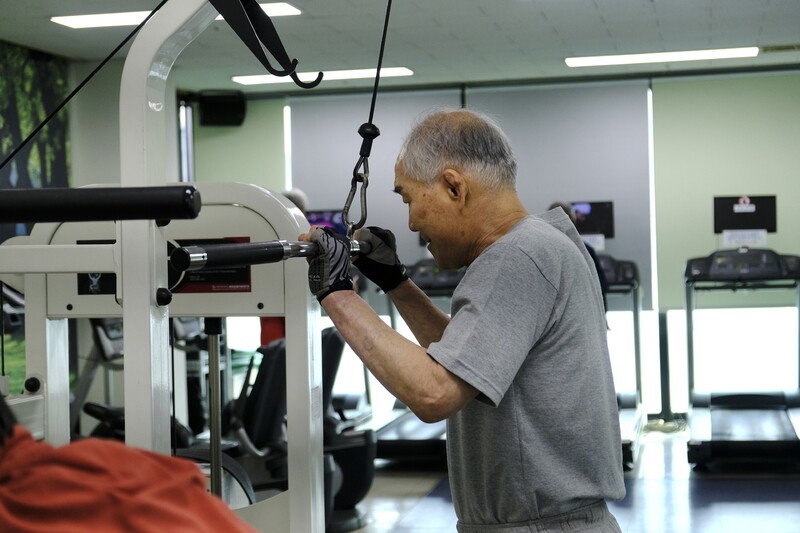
(528, 331)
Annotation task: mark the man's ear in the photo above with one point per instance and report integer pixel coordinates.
(455, 184)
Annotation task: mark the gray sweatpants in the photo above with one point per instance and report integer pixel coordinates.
(595, 518)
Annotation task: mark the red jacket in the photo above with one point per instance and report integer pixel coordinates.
(95, 486)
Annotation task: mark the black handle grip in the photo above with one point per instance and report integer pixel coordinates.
(203, 257)
(99, 203)
(226, 255)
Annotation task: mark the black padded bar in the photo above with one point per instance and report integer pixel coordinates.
(99, 203)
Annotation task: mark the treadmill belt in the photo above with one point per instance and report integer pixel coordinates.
(751, 425)
(408, 437)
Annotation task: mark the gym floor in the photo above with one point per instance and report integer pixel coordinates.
(665, 495)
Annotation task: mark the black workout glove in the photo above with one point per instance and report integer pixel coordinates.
(329, 271)
(381, 265)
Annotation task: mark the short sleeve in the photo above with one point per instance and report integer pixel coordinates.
(499, 310)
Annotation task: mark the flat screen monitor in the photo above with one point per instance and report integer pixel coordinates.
(330, 218)
(594, 218)
(745, 213)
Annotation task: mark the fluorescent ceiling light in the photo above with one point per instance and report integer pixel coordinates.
(134, 18)
(329, 75)
(661, 57)
(276, 9)
(103, 20)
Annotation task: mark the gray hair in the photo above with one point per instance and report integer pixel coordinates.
(464, 140)
(298, 198)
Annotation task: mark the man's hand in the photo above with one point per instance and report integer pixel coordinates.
(381, 265)
(329, 271)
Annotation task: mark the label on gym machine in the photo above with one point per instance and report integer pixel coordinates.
(97, 282)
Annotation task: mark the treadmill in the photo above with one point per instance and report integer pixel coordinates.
(733, 426)
(623, 280)
(407, 437)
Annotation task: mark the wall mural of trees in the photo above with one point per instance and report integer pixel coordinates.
(32, 84)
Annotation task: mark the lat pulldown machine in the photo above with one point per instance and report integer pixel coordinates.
(58, 258)
(138, 257)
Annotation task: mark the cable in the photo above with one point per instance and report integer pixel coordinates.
(380, 61)
(2, 329)
(80, 86)
(368, 132)
(173, 415)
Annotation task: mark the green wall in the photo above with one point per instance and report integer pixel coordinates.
(250, 153)
(94, 124)
(722, 137)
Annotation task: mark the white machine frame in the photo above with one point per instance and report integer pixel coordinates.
(39, 266)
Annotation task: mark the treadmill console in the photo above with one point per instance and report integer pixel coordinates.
(434, 281)
(743, 264)
(619, 272)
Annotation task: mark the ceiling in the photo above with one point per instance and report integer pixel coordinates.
(446, 42)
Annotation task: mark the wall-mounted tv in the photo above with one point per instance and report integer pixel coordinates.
(745, 213)
(594, 218)
(330, 218)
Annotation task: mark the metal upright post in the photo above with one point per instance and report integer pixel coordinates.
(637, 345)
(48, 339)
(144, 247)
(213, 327)
(690, 336)
(666, 396)
(144, 266)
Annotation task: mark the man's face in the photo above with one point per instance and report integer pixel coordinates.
(433, 214)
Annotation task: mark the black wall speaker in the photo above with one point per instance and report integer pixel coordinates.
(221, 108)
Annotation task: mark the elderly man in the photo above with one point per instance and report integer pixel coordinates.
(520, 369)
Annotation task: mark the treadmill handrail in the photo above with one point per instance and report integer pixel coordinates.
(734, 285)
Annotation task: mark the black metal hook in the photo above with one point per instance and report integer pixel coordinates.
(256, 31)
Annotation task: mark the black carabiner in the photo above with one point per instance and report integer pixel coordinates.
(363, 178)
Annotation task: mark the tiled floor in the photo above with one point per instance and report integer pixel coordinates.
(409, 501)
(664, 496)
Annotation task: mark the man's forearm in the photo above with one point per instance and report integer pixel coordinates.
(403, 367)
(426, 321)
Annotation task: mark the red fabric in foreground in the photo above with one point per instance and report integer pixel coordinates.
(103, 486)
(272, 328)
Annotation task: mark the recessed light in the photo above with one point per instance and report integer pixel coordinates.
(133, 18)
(661, 57)
(329, 75)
